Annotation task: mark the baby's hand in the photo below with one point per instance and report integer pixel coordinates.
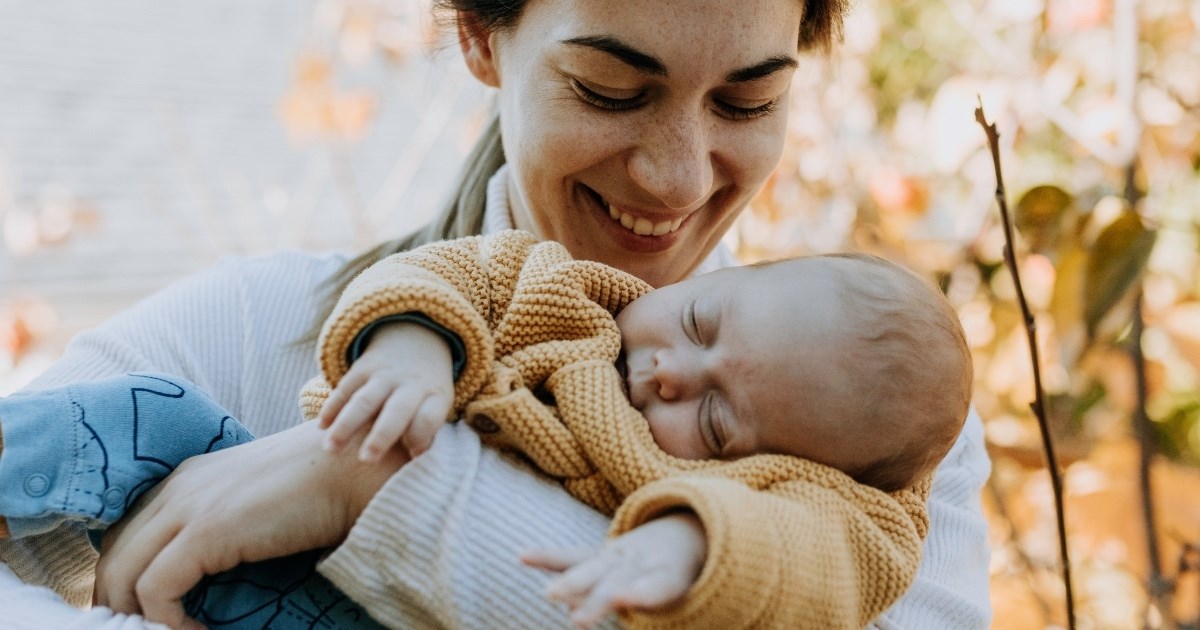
(649, 567)
(402, 385)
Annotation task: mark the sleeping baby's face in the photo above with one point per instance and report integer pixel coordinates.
(745, 361)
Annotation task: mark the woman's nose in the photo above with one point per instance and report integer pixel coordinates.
(677, 377)
(674, 162)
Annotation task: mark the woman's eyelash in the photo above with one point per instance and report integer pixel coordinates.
(732, 112)
(604, 102)
(746, 113)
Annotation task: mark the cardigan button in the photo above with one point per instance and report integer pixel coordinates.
(483, 424)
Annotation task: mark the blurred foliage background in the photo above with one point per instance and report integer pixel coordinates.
(1098, 107)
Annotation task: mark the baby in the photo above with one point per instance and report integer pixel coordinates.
(845, 361)
(736, 399)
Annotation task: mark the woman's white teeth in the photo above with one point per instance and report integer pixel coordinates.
(642, 226)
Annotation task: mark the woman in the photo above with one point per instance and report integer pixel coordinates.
(634, 133)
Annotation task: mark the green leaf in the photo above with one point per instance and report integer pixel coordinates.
(1039, 215)
(1066, 303)
(1114, 263)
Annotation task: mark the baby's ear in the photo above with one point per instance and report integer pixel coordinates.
(478, 48)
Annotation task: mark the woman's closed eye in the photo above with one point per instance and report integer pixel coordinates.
(735, 112)
(593, 96)
(597, 97)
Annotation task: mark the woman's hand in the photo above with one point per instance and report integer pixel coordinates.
(272, 497)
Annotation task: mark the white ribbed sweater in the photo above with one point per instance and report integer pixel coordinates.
(437, 547)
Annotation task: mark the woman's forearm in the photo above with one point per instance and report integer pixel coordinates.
(951, 589)
(439, 545)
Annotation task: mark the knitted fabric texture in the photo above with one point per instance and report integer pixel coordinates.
(791, 543)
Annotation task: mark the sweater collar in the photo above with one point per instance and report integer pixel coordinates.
(497, 216)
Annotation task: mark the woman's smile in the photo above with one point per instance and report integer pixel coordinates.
(642, 226)
(634, 229)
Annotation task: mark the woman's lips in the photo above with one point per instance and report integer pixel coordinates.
(639, 225)
(623, 238)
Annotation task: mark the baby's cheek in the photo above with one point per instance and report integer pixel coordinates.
(674, 434)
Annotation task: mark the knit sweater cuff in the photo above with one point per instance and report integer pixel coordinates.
(740, 576)
(458, 351)
(393, 287)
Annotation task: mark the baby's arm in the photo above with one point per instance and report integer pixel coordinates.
(445, 295)
(652, 566)
(402, 386)
(813, 549)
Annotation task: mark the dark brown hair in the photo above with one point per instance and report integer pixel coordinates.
(820, 27)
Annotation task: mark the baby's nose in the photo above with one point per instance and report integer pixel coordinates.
(673, 374)
(667, 391)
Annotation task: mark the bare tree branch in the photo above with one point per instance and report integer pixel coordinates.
(1039, 402)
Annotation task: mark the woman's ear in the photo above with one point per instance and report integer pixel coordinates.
(476, 44)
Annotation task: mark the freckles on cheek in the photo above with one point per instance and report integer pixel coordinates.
(752, 155)
(767, 153)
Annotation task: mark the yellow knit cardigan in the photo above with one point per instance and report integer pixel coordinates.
(791, 543)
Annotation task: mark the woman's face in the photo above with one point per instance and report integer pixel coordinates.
(636, 131)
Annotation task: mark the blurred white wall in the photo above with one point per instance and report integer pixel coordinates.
(140, 141)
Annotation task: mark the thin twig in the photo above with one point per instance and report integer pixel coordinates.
(1189, 562)
(1158, 586)
(1145, 440)
(1039, 403)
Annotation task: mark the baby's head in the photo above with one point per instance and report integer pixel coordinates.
(846, 360)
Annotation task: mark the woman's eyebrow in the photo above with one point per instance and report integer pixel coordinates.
(640, 61)
(762, 69)
(649, 64)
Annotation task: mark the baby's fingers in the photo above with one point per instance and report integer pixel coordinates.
(394, 420)
(361, 409)
(428, 420)
(338, 398)
(599, 603)
(557, 560)
(578, 581)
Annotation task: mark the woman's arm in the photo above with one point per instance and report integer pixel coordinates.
(462, 515)
(206, 518)
(951, 589)
(439, 545)
(230, 330)
(517, 511)
(151, 335)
